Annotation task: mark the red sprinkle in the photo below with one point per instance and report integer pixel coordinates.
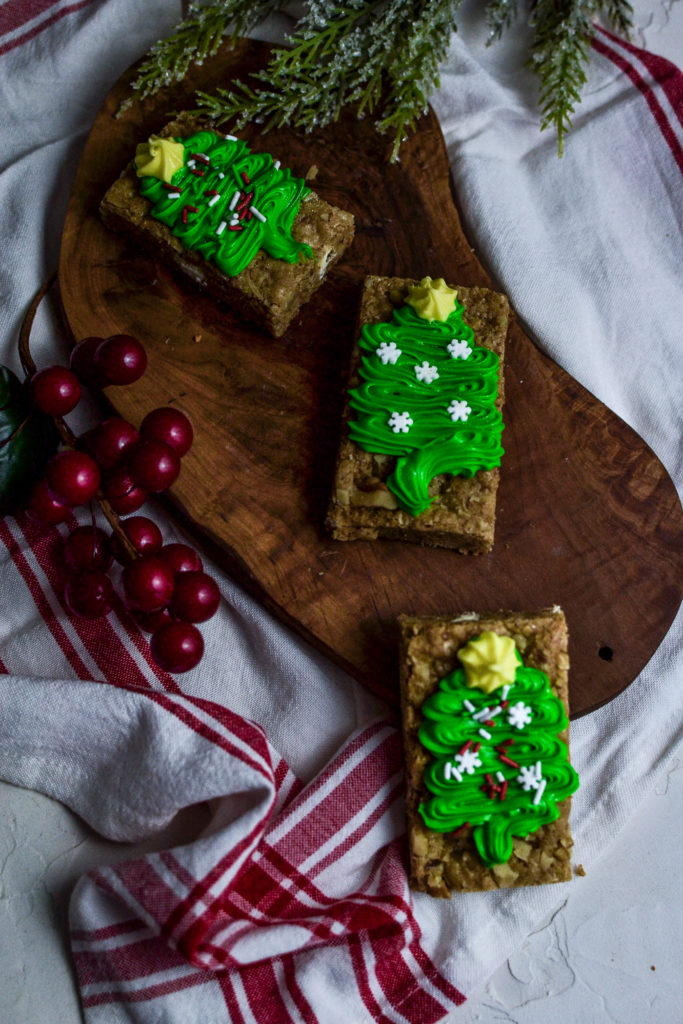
(245, 178)
(244, 201)
(197, 174)
(507, 760)
(234, 227)
(462, 829)
(191, 209)
(504, 703)
(172, 188)
(211, 192)
(490, 722)
(503, 790)
(477, 747)
(465, 746)
(201, 157)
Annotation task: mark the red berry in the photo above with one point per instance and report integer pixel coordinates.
(154, 466)
(196, 597)
(148, 584)
(177, 646)
(122, 492)
(109, 442)
(151, 621)
(82, 358)
(170, 426)
(73, 477)
(87, 547)
(55, 390)
(120, 359)
(89, 594)
(144, 535)
(181, 558)
(44, 507)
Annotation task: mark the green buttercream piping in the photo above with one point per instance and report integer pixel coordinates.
(448, 725)
(434, 442)
(277, 196)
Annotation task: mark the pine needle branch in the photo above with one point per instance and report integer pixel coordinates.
(377, 57)
(370, 55)
(195, 39)
(559, 54)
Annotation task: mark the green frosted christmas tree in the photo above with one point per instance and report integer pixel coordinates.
(498, 765)
(427, 395)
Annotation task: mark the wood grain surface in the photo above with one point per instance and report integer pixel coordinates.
(587, 516)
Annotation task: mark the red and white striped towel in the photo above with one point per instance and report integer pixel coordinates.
(288, 902)
(285, 886)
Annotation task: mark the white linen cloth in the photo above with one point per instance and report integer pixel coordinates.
(588, 249)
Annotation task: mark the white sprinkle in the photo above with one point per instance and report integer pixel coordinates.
(233, 201)
(276, 165)
(231, 138)
(257, 213)
(481, 715)
(496, 711)
(450, 771)
(191, 163)
(468, 704)
(173, 195)
(485, 734)
(500, 776)
(221, 175)
(221, 227)
(539, 792)
(213, 200)
(504, 692)
(537, 769)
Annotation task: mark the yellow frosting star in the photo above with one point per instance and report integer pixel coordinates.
(490, 661)
(432, 299)
(159, 158)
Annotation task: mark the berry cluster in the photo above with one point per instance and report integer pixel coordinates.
(163, 585)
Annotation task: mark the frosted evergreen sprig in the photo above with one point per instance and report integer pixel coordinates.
(380, 58)
(559, 53)
(366, 54)
(194, 39)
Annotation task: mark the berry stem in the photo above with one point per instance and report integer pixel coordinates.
(65, 432)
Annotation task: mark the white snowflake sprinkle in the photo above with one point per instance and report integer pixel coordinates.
(400, 422)
(426, 373)
(527, 779)
(388, 352)
(519, 715)
(459, 410)
(468, 761)
(459, 349)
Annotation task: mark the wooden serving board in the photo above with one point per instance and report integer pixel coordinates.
(587, 516)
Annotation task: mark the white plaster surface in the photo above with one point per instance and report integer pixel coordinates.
(610, 953)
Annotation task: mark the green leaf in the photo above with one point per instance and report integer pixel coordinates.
(27, 440)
